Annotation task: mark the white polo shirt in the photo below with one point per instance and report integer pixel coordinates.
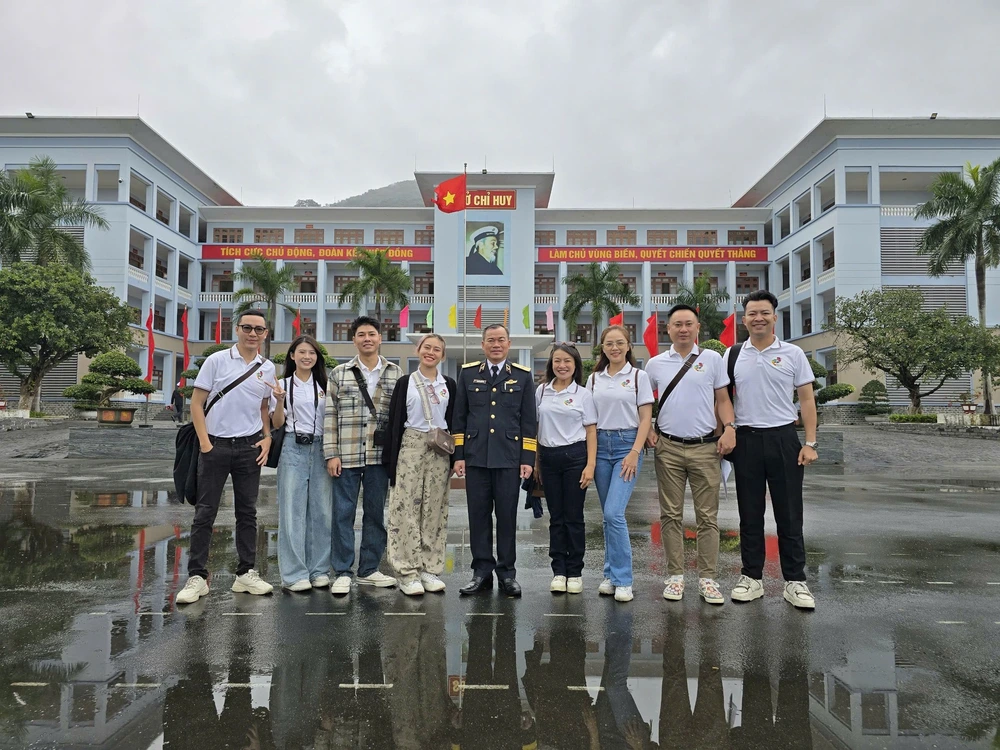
(415, 418)
(371, 376)
(307, 416)
(616, 398)
(689, 411)
(238, 412)
(766, 381)
(564, 415)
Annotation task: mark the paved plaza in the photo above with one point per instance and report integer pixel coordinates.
(903, 649)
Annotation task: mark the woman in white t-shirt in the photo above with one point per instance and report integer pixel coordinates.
(305, 491)
(567, 455)
(624, 400)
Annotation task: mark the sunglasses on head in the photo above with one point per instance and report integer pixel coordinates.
(565, 343)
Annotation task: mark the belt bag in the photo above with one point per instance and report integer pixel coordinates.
(440, 441)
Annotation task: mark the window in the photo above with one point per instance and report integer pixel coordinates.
(807, 326)
(806, 270)
(388, 237)
(225, 284)
(630, 327)
(629, 281)
(545, 285)
(348, 236)
(664, 285)
(661, 237)
(230, 236)
(662, 328)
(227, 328)
(341, 331)
(309, 327)
(702, 237)
(742, 236)
(183, 268)
(829, 261)
(831, 367)
(621, 237)
(159, 321)
(265, 235)
(423, 237)
(541, 328)
(390, 330)
(161, 269)
(786, 324)
(545, 236)
(747, 284)
(339, 282)
(309, 236)
(136, 314)
(581, 236)
(785, 276)
(583, 333)
(423, 285)
(136, 257)
(307, 284)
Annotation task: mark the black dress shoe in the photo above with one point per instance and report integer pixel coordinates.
(510, 587)
(477, 584)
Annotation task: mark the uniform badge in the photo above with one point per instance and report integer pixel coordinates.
(626, 383)
(568, 402)
(512, 381)
(776, 362)
(698, 367)
(477, 380)
(260, 375)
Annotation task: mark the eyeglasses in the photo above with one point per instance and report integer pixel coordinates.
(431, 393)
(619, 344)
(259, 330)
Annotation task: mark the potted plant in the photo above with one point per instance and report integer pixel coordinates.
(968, 402)
(873, 401)
(108, 374)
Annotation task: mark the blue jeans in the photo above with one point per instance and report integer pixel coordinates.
(305, 511)
(614, 493)
(345, 508)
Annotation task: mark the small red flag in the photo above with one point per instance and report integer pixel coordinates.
(218, 327)
(187, 355)
(650, 335)
(404, 319)
(617, 320)
(728, 335)
(449, 196)
(478, 321)
(297, 323)
(150, 346)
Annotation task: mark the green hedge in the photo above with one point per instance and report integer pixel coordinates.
(715, 345)
(913, 418)
(833, 392)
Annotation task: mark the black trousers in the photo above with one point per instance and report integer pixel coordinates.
(561, 468)
(489, 492)
(235, 457)
(768, 459)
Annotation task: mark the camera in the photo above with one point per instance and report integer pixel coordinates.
(378, 437)
(301, 439)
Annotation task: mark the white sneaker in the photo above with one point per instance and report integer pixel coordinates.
(606, 588)
(320, 582)
(412, 588)
(193, 590)
(431, 582)
(709, 591)
(798, 595)
(251, 583)
(623, 593)
(302, 585)
(558, 585)
(342, 585)
(574, 585)
(747, 589)
(381, 580)
(674, 589)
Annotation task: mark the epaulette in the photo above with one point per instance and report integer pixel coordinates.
(469, 364)
(520, 367)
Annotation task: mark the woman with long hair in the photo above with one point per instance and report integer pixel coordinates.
(567, 456)
(624, 400)
(305, 491)
(419, 476)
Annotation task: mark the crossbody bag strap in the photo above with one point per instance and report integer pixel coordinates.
(677, 378)
(291, 402)
(232, 385)
(425, 401)
(364, 391)
(734, 354)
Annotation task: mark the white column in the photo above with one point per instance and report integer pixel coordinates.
(561, 332)
(688, 279)
(874, 186)
(278, 332)
(322, 334)
(840, 186)
(731, 284)
(90, 184)
(645, 292)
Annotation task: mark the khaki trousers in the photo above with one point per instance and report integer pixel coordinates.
(417, 525)
(676, 465)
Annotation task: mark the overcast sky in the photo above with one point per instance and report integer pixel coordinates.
(661, 103)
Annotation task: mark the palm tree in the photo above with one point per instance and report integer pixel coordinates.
(701, 297)
(35, 209)
(378, 276)
(266, 283)
(602, 290)
(968, 227)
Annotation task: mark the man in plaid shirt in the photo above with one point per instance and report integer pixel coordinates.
(357, 409)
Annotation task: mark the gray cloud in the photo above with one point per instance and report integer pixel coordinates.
(666, 104)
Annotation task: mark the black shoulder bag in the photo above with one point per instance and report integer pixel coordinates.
(379, 437)
(670, 387)
(187, 448)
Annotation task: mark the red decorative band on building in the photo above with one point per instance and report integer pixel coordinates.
(700, 254)
(415, 253)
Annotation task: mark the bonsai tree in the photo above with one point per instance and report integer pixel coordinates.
(833, 392)
(874, 398)
(192, 373)
(108, 374)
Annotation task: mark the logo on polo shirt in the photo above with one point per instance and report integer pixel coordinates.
(260, 375)
(699, 367)
(776, 362)
(444, 391)
(567, 402)
(626, 383)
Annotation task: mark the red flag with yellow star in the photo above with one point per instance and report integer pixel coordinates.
(449, 196)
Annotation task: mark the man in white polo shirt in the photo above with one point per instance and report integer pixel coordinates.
(768, 453)
(688, 449)
(234, 442)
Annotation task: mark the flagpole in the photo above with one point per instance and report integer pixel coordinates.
(462, 260)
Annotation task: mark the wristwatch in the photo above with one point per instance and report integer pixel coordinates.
(812, 445)
(731, 424)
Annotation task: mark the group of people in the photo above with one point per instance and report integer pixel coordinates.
(369, 429)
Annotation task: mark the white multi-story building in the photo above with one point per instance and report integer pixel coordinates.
(832, 217)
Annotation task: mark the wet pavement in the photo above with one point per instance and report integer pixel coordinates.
(902, 651)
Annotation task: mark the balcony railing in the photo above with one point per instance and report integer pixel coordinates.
(662, 300)
(138, 275)
(546, 299)
(183, 293)
(826, 276)
(163, 285)
(300, 298)
(899, 210)
(222, 297)
(421, 299)
(620, 301)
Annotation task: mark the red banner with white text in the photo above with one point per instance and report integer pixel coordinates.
(416, 253)
(699, 254)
